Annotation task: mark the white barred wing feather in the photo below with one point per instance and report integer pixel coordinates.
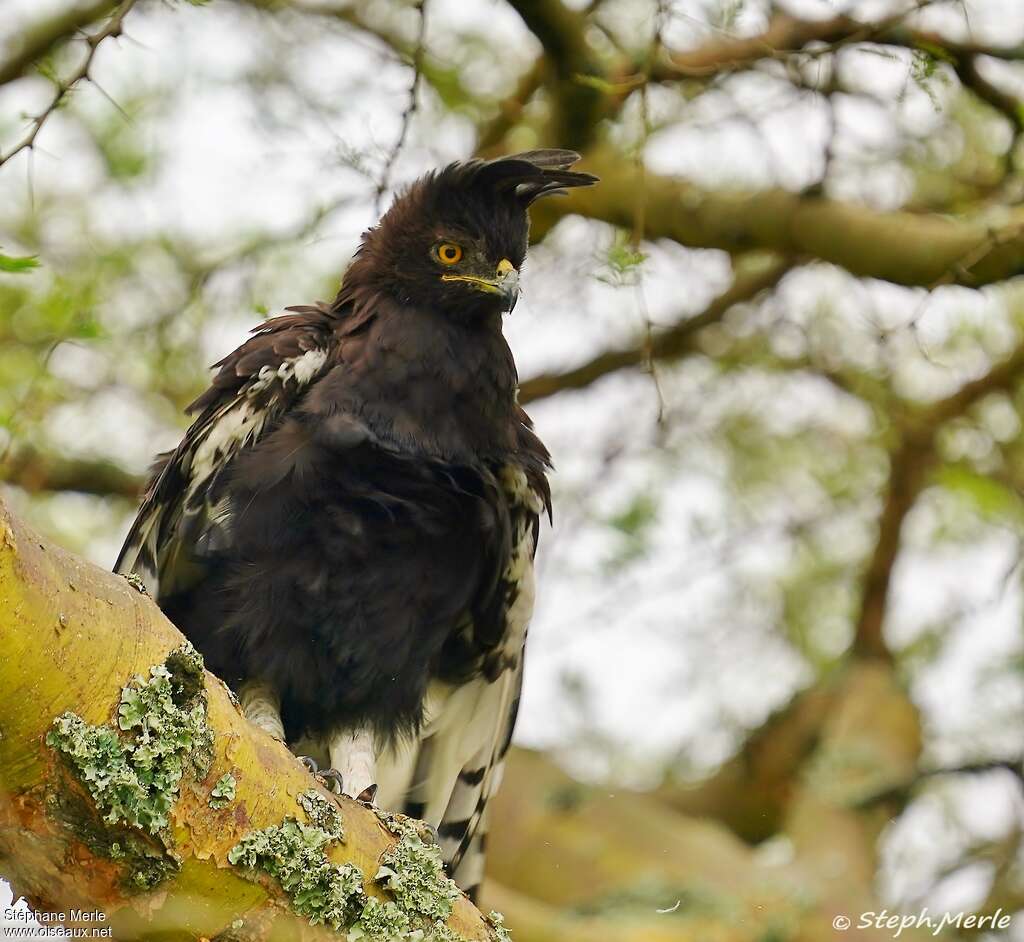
(183, 515)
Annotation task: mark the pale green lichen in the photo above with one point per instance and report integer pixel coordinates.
(386, 922)
(293, 854)
(135, 779)
(441, 933)
(223, 792)
(497, 923)
(413, 872)
(132, 772)
(135, 581)
(322, 813)
(380, 922)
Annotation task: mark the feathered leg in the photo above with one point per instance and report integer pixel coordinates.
(261, 706)
(354, 757)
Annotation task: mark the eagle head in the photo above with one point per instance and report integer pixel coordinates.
(455, 240)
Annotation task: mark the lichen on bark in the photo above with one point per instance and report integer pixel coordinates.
(223, 792)
(135, 779)
(411, 871)
(132, 769)
(293, 854)
(322, 813)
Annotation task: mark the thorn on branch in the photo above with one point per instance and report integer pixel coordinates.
(114, 27)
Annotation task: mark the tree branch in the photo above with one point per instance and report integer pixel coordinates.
(491, 135)
(1011, 108)
(107, 783)
(908, 467)
(41, 39)
(36, 472)
(562, 32)
(999, 378)
(112, 28)
(674, 343)
(911, 461)
(787, 34)
(901, 247)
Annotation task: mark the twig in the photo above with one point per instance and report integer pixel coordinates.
(64, 86)
(410, 108)
(45, 37)
(903, 791)
(640, 209)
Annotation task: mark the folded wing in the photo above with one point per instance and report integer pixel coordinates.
(184, 515)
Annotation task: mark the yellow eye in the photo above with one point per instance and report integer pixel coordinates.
(448, 253)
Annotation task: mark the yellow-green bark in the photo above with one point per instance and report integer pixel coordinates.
(73, 635)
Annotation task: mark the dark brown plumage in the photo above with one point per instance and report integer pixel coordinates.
(346, 530)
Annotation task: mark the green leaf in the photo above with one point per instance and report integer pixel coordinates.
(18, 265)
(989, 498)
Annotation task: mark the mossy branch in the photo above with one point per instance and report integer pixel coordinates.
(130, 782)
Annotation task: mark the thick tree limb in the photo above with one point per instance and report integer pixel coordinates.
(786, 34)
(904, 248)
(36, 472)
(73, 637)
(562, 32)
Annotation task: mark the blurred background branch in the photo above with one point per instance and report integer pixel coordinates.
(39, 39)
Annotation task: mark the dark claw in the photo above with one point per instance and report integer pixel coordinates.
(367, 794)
(331, 780)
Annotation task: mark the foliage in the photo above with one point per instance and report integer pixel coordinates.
(18, 265)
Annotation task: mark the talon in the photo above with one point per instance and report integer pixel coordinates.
(331, 780)
(367, 794)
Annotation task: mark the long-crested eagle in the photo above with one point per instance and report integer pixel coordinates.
(347, 529)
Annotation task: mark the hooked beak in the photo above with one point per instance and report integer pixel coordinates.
(504, 283)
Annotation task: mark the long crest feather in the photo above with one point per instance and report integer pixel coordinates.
(533, 174)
